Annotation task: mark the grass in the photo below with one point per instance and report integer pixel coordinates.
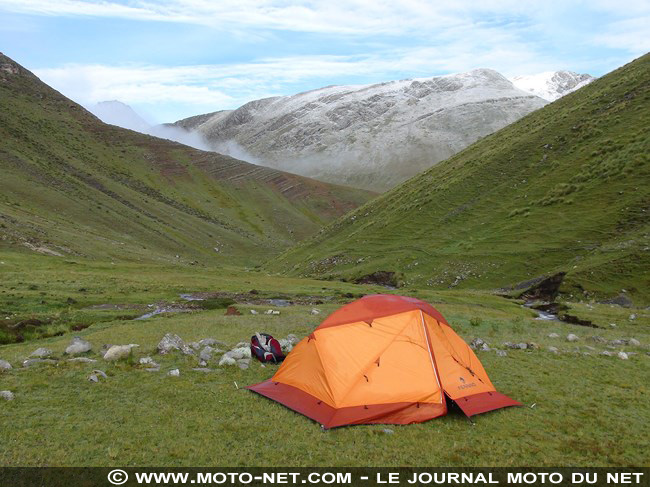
(566, 188)
(589, 409)
(76, 187)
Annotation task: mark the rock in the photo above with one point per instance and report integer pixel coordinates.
(78, 346)
(522, 346)
(100, 373)
(552, 349)
(202, 369)
(242, 365)
(202, 363)
(171, 342)
(232, 311)
(211, 342)
(632, 317)
(194, 345)
(82, 360)
(592, 349)
(253, 312)
(596, 339)
(7, 395)
(285, 345)
(271, 312)
(387, 431)
(634, 342)
(553, 335)
(206, 354)
(477, 344)
(93, 378)
(572, 338)
(118, 352)
(501, 353)
(35, 361)
(41, 352)
(239, 353)
(607, 353)
(242, 345)
(314, 311)
(148, 362)
(174, 373)
(227, 360)
(622, 355)
(291, 338)
(515, 346)
(618, 343)
(4, 365)
(612, 325)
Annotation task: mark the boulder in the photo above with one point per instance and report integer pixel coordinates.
(271, 312)
(607, 353)
(553, 335)
(194, 345)
(291, 338)
(239, 353)
(174, 373)
(622, 355)
(118, 352)
(634, 342)
(632, 317)
(314, 311)
(41, 352)
(4, 365)
(36, 361)
(78, 346)
(572, 338)
(171, 342)
(501, 353)
(148, 362)
(7, 395)
(477, 344)
(206, 354)
(227, 360)
(211, 342)
(253, 312)
(82, 360)
(618, 343)
(552, 349)
(96, 375)
(285, 345)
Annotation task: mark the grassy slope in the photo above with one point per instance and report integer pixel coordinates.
(565, 188)
(591, 410)
(73, 185)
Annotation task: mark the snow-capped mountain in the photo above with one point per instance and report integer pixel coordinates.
(120, 114)
(552, 85)
(370, 136)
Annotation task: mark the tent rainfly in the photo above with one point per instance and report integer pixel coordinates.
(382, 359)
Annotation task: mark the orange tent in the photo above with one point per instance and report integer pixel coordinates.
(382, 359)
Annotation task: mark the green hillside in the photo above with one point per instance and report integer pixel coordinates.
(566, 188)
(74, 186)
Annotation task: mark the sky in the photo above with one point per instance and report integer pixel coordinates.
(178, 58)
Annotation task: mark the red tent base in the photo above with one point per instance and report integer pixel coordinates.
(484, 402)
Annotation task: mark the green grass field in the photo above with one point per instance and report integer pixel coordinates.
(589, 410)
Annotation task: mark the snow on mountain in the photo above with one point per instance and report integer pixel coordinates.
(117, 113)
(552, 85)
(370, 136)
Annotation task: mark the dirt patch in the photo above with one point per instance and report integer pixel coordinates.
(380, 278)
(574, 320)
(232, 311)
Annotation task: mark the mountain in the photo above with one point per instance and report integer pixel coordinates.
(72, 185)
(371, 136)
(122, 115)
(552, 85)
(565, 189)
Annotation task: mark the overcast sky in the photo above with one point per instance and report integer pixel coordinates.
(178, 58)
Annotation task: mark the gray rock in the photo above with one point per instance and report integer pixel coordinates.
(285, 345)
(618, 343)
(202, 363)
(237, 353)
(78, 346)
(607, 353)
(194, 345)
(7, 395)
(501, 353)
(82, 360)
(100, 373)
(37, 361)
(171, 342)
(202, 369)
(211, 342)
(93, 378)
(4, 365)
(148, 362)
(242, 365)
(174, 373)
(206, 354)
(552, 349)
(291, 338)
(253, 312)
(572, 338)
(387, 431)
(634, 342)
(41, 352)
(477, 344)
(632, 317)
(271, 312)
(622, 355)
(553, 335)
(612, 325)
(227, 360)
(118, 352)
(314, 311)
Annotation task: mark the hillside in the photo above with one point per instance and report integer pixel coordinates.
(367, 136)
(566, 188)
(72, 185)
